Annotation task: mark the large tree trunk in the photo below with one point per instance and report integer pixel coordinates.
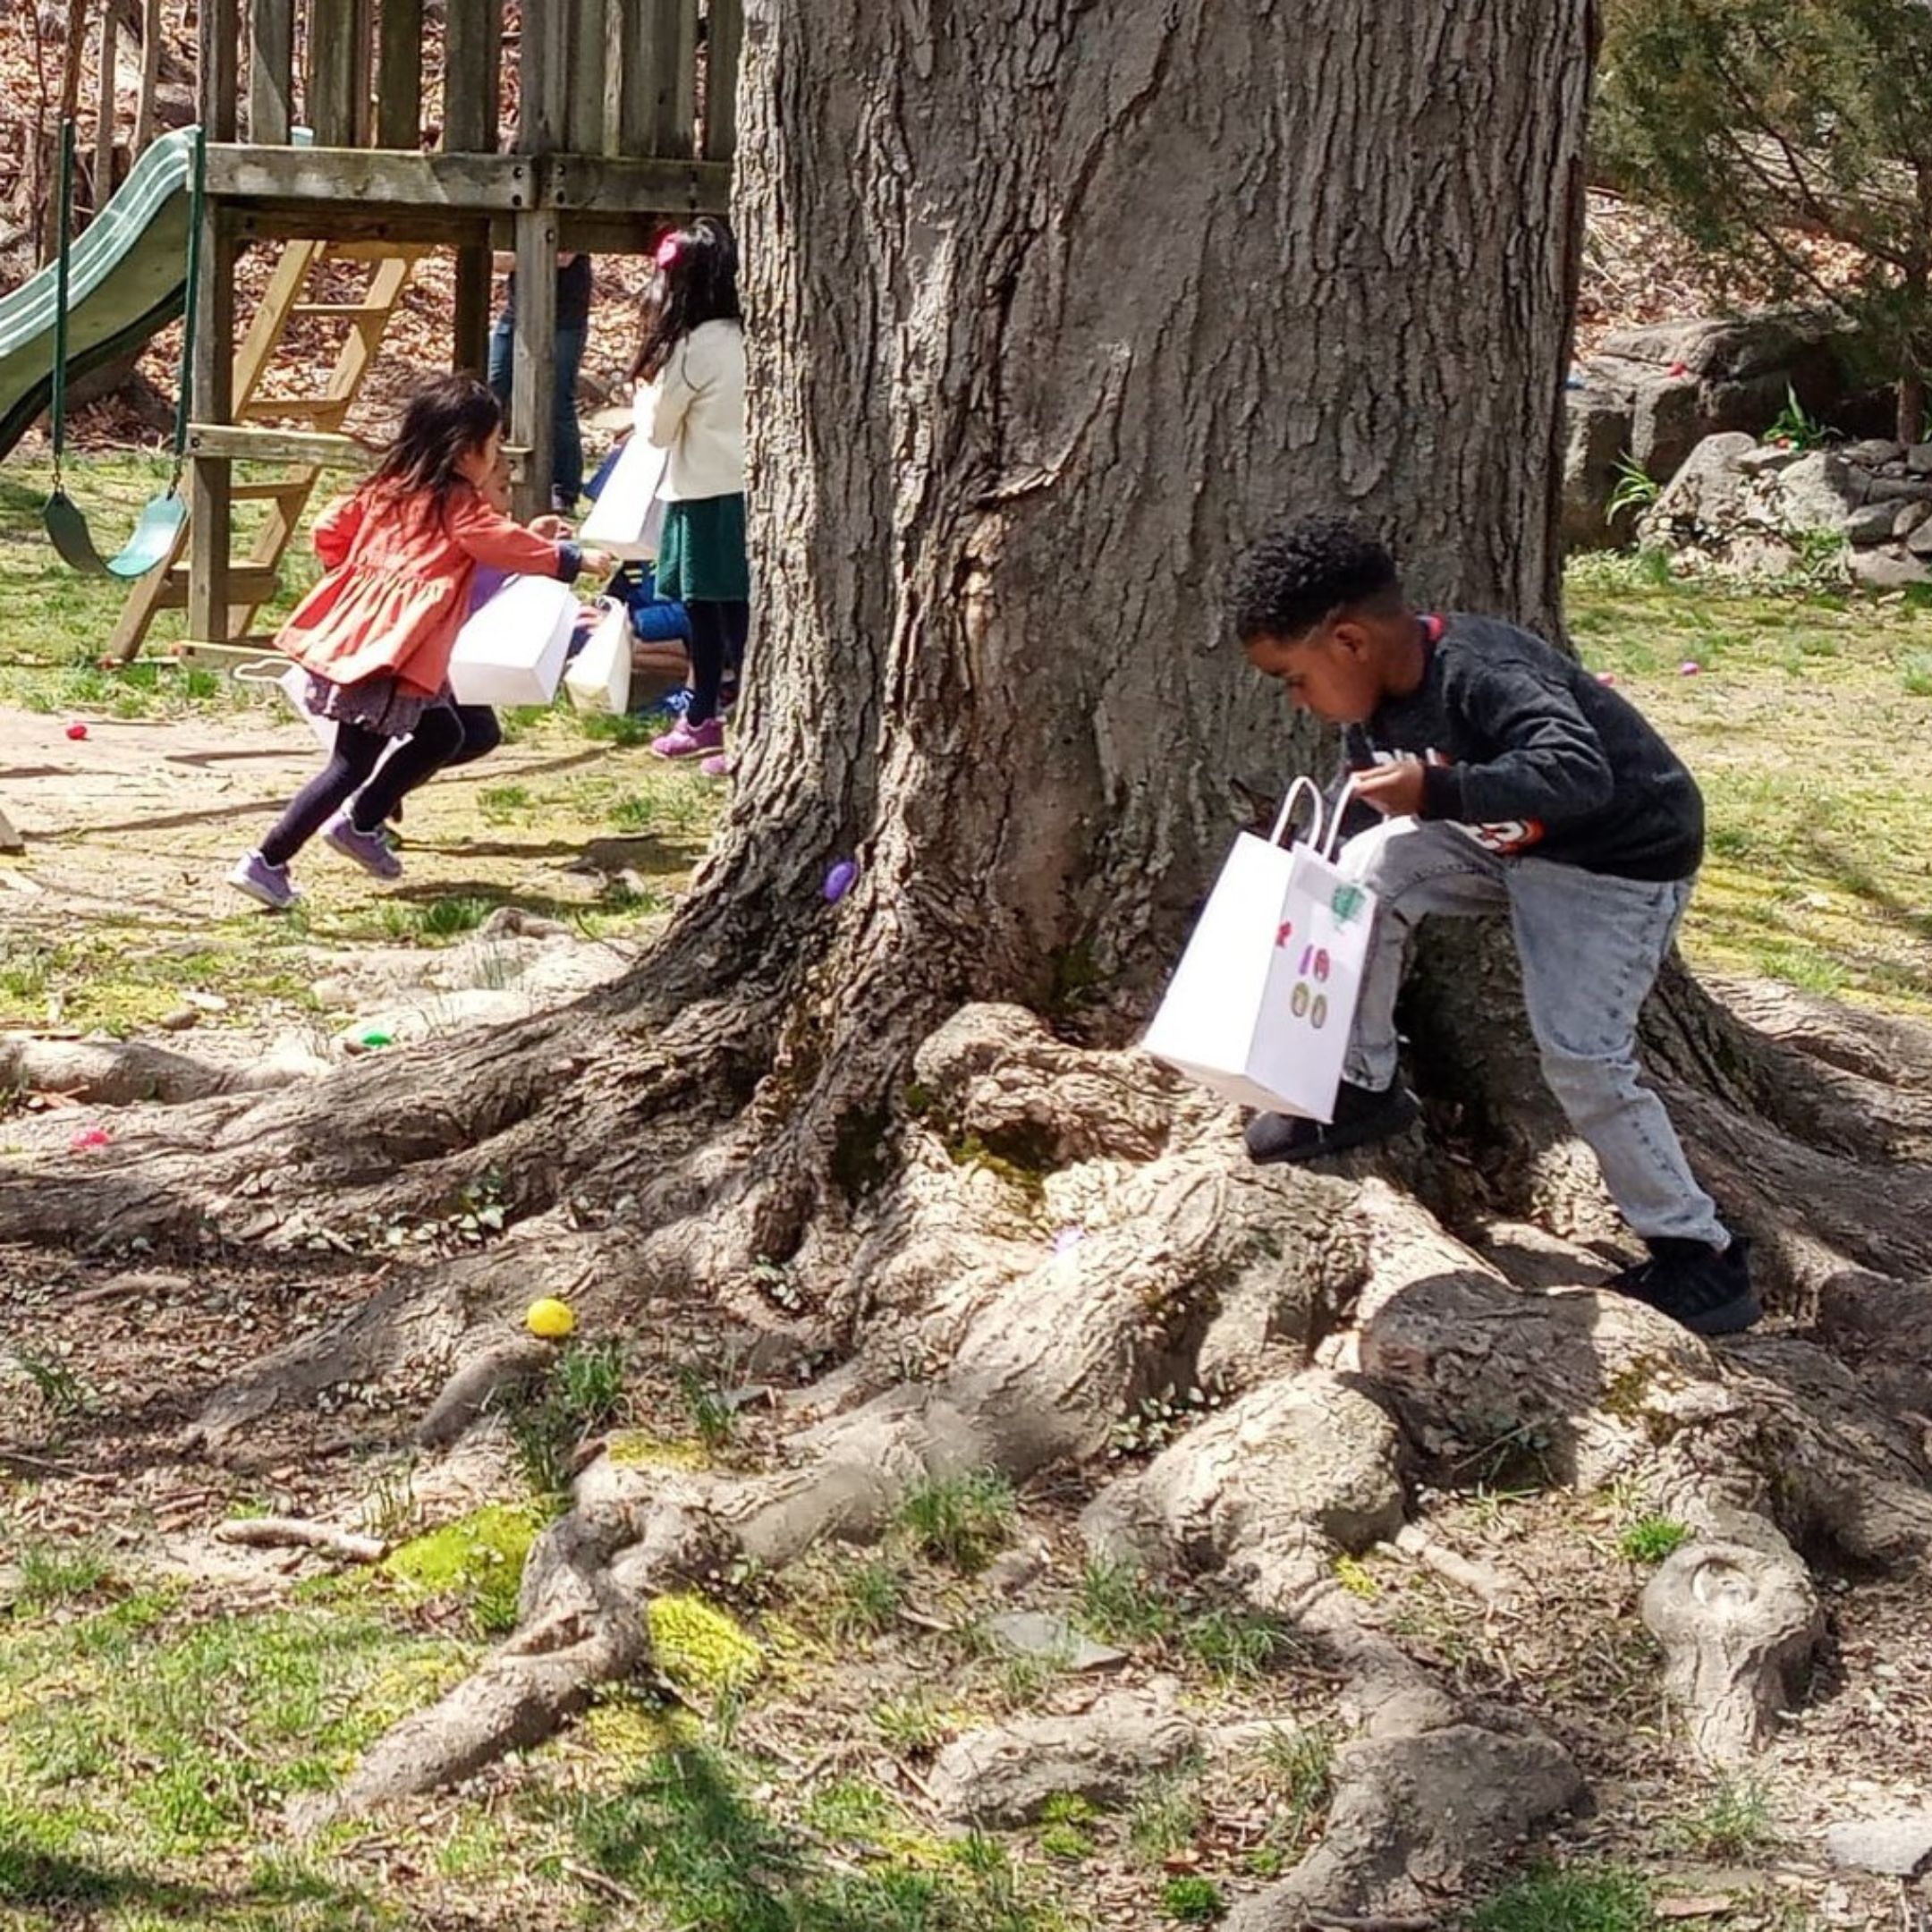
(1051, 310)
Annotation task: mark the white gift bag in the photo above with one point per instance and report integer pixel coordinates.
(293, 682)
(1260, 1007)
(510, 651)
(628, 516)
(599, 675)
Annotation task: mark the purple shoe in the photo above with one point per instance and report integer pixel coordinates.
(268, 884)
(719, 767)
(369, 849)
(690, 741)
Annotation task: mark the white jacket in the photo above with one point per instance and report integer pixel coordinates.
(695, 410)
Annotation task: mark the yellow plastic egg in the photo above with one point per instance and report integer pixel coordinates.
(550, 1318)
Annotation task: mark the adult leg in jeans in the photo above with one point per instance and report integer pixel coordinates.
(1413, 870)
(502, 336)
(567, 462)
(425, 752)
(355, 756)
(1591, 946)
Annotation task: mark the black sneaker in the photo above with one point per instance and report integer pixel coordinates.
(1361, 1114)
(1690, 1281)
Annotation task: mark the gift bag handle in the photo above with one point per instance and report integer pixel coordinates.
(1328, 846)
(1301, 787)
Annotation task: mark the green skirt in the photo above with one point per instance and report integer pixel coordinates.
(701, 554)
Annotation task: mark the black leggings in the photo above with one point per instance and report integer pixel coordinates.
(351, 773)
(717, 642)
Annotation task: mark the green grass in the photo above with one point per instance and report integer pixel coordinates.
(685, 1836)
(1732, 1821)
(226, 1719)
(1804, 728)
(581, 1393)
(1651, 1539)
(964, 1520)
(1192, 1901)
(867, 1600)
(1121, 1604)
(53, 1573)
(1581, 1899)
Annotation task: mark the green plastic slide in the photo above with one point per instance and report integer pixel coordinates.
(126, 279)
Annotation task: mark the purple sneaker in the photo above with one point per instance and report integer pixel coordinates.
(268, 885)
(719, 767)
(690, 741)
(369, 849)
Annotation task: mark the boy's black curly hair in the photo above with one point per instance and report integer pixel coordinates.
(1299, 573)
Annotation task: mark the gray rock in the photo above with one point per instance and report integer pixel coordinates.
(1033, 1633)
(1919, 542)
(1766, 456)
(1888, 570)
(1871, 523)
(1707, 494)
(1900, 489)
(1597, 424)
(1819, 491)
(1899, 1847)
(1908, 516)
(1004, 1777)
(1873, 452)
(1918, 459)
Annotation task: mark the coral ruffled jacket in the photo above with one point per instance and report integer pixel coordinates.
(397, 584)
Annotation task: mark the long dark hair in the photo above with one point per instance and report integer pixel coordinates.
(445, 420)
(694, 280)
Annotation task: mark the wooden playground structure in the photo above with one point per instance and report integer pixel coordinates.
(626, 118)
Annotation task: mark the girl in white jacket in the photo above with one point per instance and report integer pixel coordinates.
(691, 402)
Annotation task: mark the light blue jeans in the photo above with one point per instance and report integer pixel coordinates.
(1590, 946)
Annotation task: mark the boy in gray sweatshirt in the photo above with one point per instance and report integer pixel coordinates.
(1501, 777)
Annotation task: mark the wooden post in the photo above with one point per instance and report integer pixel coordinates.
(472, 71)
(208, 498)
(543, 78)
(152, 29)
(533, 357)
(219, 48)
(398, 86)
(654, 77)
(724, 39)
(103, 123)
(332, 72)
(271, 81)
(473, 317)
(588, 64)
(362, 79)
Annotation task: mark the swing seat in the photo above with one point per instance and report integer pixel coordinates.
(67, 529)
(152, 541)
(150, 545)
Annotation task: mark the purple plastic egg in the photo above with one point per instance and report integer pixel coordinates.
(838, 881)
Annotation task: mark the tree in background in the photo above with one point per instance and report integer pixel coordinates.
(1757, 122)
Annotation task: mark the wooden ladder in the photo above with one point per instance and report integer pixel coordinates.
(254, 577)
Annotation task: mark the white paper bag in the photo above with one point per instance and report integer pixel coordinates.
(599, 675)
(1260, 1008)
(510, 651)
(628, 516)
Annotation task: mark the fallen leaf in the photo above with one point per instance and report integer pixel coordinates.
(1704, 1905)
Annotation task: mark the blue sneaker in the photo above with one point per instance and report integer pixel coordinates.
(268, 884)
(369, 849)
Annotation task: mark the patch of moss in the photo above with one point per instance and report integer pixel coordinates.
(698, 1645)
(628, 1728)
(478, 1560)
(1626, 1397)
(1023, 1157)
(639, 1449)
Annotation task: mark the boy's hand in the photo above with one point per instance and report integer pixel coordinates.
(599, 563)
(1394, 789)
(555, 528)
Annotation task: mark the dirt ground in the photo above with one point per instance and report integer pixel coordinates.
(532, 875)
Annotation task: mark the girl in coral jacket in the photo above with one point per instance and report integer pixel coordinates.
(374, 635)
